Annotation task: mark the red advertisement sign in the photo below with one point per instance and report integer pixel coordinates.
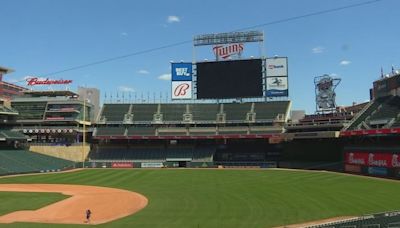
(122, 165)
(352, 168)
(36, 81)
(373, 159)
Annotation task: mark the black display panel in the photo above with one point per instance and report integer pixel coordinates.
(229, 79)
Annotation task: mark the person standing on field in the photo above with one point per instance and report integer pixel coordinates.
(88, 215)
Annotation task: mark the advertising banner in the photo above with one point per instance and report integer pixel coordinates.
(276, 66)
(225, 51)
(32, 81)
(277, 87)
(181, 71)
(352, 168)
(121, 165)
(152, 165)
(378, 171)
(373, 159)
(181, 90)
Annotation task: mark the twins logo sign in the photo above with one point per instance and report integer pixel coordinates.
(181, 90)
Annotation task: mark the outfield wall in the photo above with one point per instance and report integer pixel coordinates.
(383, 161)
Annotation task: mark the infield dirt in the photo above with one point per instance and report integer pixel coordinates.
(106, 204)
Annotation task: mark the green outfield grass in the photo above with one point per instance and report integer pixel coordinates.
(229, 198)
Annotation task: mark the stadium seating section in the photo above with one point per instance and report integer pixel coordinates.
(115, 112)
(8, 134)
(23, 161)
(388, 219)
(152, 153)
(191, 119)
(6, 110)
(383, 112)
(265, 111)
(30, 110)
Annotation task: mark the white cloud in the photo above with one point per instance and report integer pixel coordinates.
(124, 34)
(165, 77)
(318, 50)
(173, 19)
(143, 71)
(333, 75)
(345, 62)
(126, 89)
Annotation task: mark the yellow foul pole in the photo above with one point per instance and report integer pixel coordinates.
(84, 133)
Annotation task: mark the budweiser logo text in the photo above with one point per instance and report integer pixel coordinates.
(224, 51)
(37, 81)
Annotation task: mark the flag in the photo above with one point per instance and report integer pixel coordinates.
(381, 72)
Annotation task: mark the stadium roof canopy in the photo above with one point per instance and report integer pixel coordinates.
(55, 93)
(5, 70)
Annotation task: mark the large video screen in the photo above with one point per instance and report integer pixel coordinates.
(229, 79)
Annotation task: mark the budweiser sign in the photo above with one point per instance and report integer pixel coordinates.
(227, 50)
(37, 81)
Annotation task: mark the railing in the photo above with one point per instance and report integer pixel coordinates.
(358, 115)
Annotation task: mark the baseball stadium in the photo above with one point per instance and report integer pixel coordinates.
(226, 150)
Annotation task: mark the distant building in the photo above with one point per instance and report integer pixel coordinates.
(8, 90)
(297, 115)
(92, 96)
(388, 85)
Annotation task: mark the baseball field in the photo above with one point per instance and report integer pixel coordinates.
(218, 198)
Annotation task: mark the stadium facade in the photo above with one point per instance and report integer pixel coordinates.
(213, 123)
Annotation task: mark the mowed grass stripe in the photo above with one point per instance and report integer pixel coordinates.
(235, 198)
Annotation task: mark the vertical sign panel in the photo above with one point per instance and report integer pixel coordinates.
(181, 90)
(276, 67)
(181, 71)
(277, 87)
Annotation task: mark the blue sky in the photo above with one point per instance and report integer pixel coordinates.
(44, 36)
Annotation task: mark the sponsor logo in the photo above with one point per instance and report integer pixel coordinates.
(377, 171)
(182, 72)
(395, 160)
(277, 81)
(181, 90)
(151, 165)
(122, 165)
(37, 81)
(372, 161)
(224, 51)
(358, 161)
(272, 66)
